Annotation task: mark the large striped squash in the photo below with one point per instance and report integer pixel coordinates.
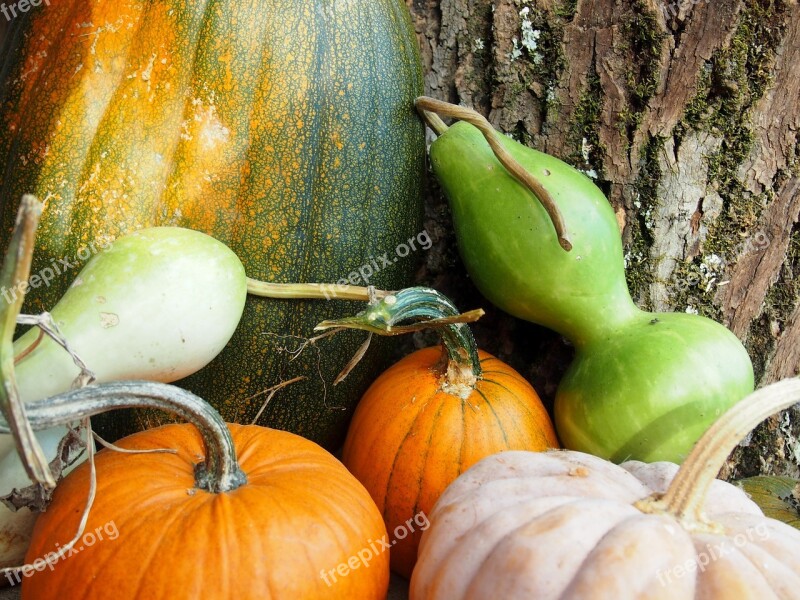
(284, 128)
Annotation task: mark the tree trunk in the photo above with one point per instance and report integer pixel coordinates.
(686, 114)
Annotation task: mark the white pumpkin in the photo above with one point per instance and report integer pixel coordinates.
(567, 525)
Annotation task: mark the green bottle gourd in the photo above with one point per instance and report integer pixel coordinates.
(643, 385)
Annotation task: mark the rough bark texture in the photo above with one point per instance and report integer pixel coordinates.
(686, 113)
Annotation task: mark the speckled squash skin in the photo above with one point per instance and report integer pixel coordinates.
(285, 129)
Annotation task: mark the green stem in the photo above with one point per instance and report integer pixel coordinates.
(14, 278)
(430, 307)
(219, 472)
(430, 106)
(312, 291)
(433, 121)
(686, 495)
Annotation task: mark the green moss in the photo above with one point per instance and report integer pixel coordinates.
(478, 39)
(639, 271)
(588, 152)
(566, 9)
(541, 62)
(692, 287)
(644, 39)
(759, 344)
(730, 83)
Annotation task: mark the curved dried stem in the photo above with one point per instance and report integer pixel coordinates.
(14, 276)
(430, 108)
(219, 472)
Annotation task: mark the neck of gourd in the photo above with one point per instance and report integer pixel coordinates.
(594, 320)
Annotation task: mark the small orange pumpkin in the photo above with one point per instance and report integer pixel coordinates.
(431, 416)
(288, 522)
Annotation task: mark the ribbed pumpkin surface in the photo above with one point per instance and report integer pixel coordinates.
(409, 438)
(152, 534)
(283, 128)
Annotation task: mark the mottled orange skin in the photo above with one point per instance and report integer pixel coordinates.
(284, 129)
(409, 439)
(300, 513)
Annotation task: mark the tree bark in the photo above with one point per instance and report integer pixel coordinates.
(686, 114)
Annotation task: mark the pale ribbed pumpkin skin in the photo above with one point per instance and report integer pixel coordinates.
(562, 525)
(409, 439)
(285, 129)
(300, 513)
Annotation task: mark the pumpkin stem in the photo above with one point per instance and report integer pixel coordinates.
(14, 277)
(431, 309)
(687, 492)
(220, 471)
(430, 106)
(311, 291)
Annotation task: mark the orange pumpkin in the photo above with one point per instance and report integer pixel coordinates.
(300, 526)
(431, 416)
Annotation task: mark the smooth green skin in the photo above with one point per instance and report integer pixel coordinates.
(649, 391)
(643, 386)
(158, 304)
(509, 245)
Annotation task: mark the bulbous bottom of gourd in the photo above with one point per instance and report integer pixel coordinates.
(650, 391)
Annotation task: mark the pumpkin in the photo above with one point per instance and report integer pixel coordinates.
(642, 385)
(159, 304)
(564, 524)
(285, 130)
(431, 416)
(286, 520)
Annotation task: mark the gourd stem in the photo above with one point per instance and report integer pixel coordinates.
(430, 307)
(219, 473)
(687, 492)
(14, 277)
(434, 121)
(311, 291)
(427, 105)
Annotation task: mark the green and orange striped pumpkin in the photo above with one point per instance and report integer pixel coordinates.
(283, 128)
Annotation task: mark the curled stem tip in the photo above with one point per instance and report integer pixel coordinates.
(426, 308)
(430, 108)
